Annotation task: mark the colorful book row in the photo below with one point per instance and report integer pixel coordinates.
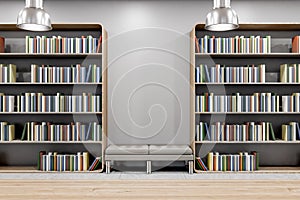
(38, 102)
(7, 103)
(46, 131)
(52, 161)
(243, 161)
(7, 131)
(220, 131)
(8, 73)
(290, 73)
(291, 131)
(58, 44)
(73, 74)
(258, 102)
(291, 103)
(226, 74)
(237, 44)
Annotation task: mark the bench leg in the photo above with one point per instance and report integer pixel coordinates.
(190, 167)
(149, 167)
(108, 167)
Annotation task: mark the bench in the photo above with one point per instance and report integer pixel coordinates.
(149, 153)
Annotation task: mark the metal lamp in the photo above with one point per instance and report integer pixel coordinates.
(222, 17)
(33, 17)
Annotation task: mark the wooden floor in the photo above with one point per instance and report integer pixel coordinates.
(149, 189)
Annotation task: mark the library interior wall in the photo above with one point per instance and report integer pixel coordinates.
(148, 57)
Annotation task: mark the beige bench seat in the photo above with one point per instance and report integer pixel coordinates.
(148, 153)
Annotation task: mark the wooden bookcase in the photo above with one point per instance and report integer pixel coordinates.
(22, 156)
(275, 156)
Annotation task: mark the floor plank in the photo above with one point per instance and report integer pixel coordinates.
(150, 189)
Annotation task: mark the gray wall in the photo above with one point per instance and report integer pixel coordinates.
(149, 57)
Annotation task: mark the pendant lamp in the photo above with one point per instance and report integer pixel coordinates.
(33, 17)
(222, 17)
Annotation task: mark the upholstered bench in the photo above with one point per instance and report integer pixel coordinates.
(148, 153)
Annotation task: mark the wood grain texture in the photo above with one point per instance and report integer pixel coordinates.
(150, 189)
(104, 94)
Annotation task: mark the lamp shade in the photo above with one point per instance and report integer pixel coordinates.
(33, 17)
(222, 17)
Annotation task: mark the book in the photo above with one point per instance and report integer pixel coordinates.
(207, 131)
(40, 160)
(256, 164)
(2, 44)
(207, 77)
(95, 164)
(197, 49)
(85, 161)
(88, 132)
(298, 132)
(88, 74)
(272, 132)
(99, 44)
(24, 132)
(295, 44)
(201, 164)
(210, 162)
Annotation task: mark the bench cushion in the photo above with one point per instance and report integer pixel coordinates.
(148, 157)
(127, 150)
(170, 149)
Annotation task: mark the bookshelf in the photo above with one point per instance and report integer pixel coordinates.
(275, 156)
(21, 156)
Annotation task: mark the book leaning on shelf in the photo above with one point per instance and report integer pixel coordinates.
(95, 165)
(237, 44)
(228, 74)
(67, 74)
(296, 44)
(258, 102)
(8, 73)
(47, 131)
(243, 161)
(220, 131)
(200, 164)
(38, 102)
(59, 44)
(7, 131)
(52, 161)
